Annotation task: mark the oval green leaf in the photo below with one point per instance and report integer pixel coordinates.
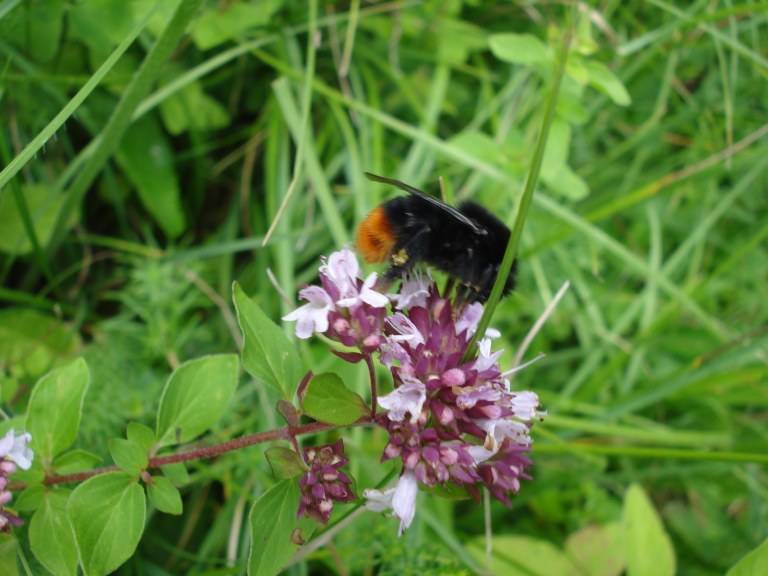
(164, 495)
(604, 80)
(328, 400)
(107, 515)
(644, 531)
(147, 159)
(195, 397)
(267, 354)
(275, 532)
(50, 538)
(129, 457)
(525, 49)
(55, 407)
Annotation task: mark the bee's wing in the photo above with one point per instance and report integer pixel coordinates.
(426, 197)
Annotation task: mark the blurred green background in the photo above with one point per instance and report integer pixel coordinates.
(140, 179)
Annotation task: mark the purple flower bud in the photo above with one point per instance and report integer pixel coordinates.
(323, 483)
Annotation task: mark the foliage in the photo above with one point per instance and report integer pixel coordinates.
(154, 153)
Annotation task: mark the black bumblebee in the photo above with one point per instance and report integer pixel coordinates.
(467, 242)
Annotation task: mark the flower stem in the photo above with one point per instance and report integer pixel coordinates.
(211, 451)
(372, 376)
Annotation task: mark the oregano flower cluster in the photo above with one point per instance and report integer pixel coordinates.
(451, 421)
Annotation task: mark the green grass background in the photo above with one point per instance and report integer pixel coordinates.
(144, 162)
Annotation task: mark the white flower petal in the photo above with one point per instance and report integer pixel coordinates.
(378, 500)
(6, 444)
(409, 397)
(342, 270)
(480, 454)
(525, 405)
(469, 318)
(404, 499)
(313, 316)
(371, 296)
(20, 453)
(401, 499)
(407, 331)
(413, 292)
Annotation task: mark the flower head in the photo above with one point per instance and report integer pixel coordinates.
(346, 308)
(451, 420)
(324, 483)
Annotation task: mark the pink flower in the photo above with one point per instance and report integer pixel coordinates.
(409, 398)
(366, 295)
(312, 317)
(406, 330)
(342, 271)
(413, 292)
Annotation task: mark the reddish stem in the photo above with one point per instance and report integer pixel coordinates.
(372, 376)
(210, 451)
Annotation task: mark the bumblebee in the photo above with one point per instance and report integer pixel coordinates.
(466, 242)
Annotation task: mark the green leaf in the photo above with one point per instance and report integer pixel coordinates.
(195, 397)
(30, 499)
(50, 536)
(129, 457)
(164, 495)
(555, 171)
(147, 159)
(176, 473)
(525, 49)
(36, 29)
(598, 550)
(754, 563)
(32, 342)
(141, 435)
(275, 532)
(267, 354)
(44, 204)
(192, 109)
(101, 25)
(643, 532)
(457, 39)
(8, 555)
(566, 183)
(523, 555)
(75, 461)
(328, 400)
(285, 463)
(107, 515)
(55, 407)
(604, 80)
(481, 145)
(215, 27)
